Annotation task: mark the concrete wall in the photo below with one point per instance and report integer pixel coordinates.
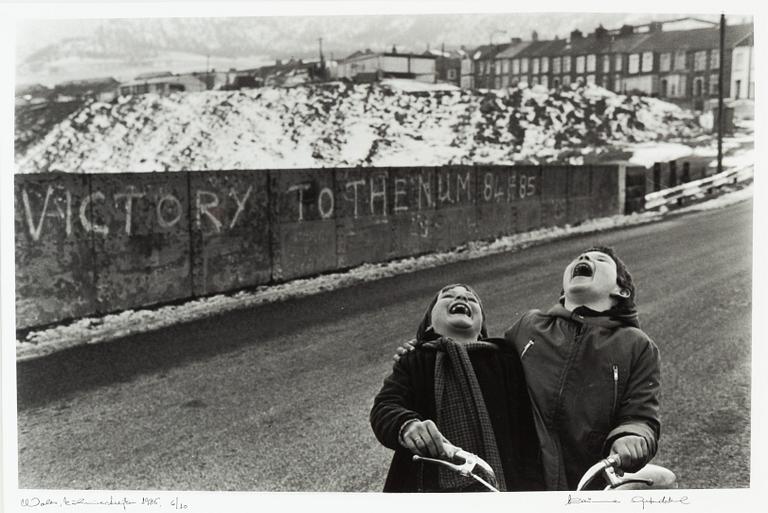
(92, 244)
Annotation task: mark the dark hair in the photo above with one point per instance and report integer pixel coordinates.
(425, 332)
(623, 278)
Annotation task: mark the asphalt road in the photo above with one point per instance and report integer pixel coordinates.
(277, 397)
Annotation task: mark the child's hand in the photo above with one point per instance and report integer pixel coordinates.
(404, 349)
(424, 439)
(632, 451)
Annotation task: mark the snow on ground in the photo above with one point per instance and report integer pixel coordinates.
(94, 330)
(337, 124)
(400, 84)
(646, 154)
(739, 160)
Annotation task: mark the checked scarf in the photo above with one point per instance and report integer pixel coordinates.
(461, 412)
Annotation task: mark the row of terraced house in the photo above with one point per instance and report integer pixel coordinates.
(679, 65)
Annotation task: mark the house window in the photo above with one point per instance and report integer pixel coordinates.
(616, 83)
(579, 64)
(591, 79)
(698, 86)
(545, 81)
(535, 81)
(534, 66)
(591, 63)
(647, 62)
(505, 66)
(566, 80)
(700, 60)
(714, 59)
(680, 60)
(524, 65)
(606, 63)
(713, 83)
(498, 67)
(665, 61)
(556, 65)
(566, 65)
(451, 74)
(545, 64)
(672, 91)
(738, 61)
(515, 66)
(634, 63)
(618, 60)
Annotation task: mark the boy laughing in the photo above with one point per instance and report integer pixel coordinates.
(592, 373)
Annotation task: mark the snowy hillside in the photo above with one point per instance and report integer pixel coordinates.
(337, 124)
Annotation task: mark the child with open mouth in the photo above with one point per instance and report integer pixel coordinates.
(462, 388)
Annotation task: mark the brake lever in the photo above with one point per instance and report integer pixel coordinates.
(466, 469)
(615, 481)
(607, 466)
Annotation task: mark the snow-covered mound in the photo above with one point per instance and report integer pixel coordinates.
(339, 124)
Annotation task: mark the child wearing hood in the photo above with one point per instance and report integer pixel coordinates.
(461, 387)
(592, 373)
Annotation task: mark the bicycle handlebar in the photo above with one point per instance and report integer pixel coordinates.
(469, 463)
(608, 467)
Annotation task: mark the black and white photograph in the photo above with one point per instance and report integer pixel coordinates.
(319, 254)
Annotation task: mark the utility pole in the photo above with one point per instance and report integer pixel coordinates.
(322, 59)
(208, 72)
(720, 116)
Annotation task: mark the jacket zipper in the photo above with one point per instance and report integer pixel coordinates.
(526, 348)
(615, 388)
(569, 363)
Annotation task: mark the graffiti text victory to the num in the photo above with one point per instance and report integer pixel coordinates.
(209, 211)
(380, 194)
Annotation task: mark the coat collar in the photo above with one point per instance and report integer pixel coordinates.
(608, 319)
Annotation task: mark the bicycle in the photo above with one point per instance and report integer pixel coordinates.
(469, 463)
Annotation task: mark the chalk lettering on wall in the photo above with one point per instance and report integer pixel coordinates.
(400, 191)
(463, 185)
(87, 224)
(375, 194)
(164, 207)
(511, 186)
(240, 204)
(444, 193)
(527, 186)
(327, 193)
(34, 231)
(300, 188)
(38, 206)
(425, 190)
(204, 208)
(129, 197)
(354, 185)
(488, 186)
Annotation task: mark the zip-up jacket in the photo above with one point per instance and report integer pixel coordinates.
(592, 378)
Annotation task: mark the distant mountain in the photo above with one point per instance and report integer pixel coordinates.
(87, 48)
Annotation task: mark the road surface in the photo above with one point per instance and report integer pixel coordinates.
(277, 397)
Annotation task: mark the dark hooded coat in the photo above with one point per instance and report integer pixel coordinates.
(592, 377)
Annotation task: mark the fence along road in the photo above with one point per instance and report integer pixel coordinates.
(277, 397)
